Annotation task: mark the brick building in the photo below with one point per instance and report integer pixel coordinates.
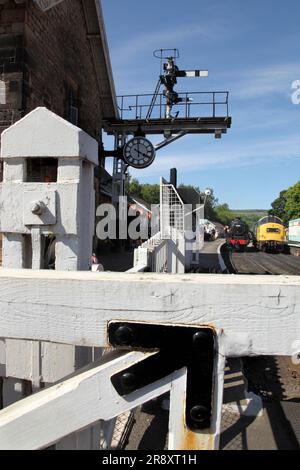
(56, 58)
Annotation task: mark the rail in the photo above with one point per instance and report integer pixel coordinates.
(151, 256)
(193, 105)
(166, 251)
(172, 250)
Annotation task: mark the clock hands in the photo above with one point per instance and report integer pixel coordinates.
(139, 152)
(142, 153)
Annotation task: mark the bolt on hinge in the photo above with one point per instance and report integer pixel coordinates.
(177, 347)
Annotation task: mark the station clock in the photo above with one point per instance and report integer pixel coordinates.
(139, 152)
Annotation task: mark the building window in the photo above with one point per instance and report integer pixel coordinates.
(2, 92)
(72, 104)
(41, 170)
(74, 115)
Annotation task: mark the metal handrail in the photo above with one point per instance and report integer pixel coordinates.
(139, 104)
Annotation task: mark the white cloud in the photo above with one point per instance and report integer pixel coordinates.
(263, 81)
(225, 156)
(136, 45)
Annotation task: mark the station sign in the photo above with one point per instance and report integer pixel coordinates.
(47, 4)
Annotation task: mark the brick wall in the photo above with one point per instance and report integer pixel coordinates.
(59, 70)
(46, 60)
(11, 62)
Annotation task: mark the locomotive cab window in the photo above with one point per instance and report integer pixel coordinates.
(270, 219)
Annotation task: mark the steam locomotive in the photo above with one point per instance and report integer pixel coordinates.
(238, 236)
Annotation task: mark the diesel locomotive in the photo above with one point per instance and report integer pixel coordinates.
(270, 234)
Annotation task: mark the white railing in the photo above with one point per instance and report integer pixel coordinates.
(153, 241)
(165, 251)
(159, 255)
(151, 256)
(159, 258)
(172, 249)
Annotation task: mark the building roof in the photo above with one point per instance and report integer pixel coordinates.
(189, 196)
(97, 35)
(140, 202)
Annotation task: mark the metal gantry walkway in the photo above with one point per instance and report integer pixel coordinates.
(199, 113)
(170, 113)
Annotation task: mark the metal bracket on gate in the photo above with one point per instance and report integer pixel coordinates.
(177, 347)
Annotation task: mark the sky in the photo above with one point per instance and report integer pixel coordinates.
(251, 49)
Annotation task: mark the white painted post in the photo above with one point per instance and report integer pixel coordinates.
(182, 438)
(36, 238)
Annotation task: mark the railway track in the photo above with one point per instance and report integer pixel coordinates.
(275, 379)
(254, 262)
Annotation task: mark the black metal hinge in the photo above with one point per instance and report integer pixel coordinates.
(178, 347)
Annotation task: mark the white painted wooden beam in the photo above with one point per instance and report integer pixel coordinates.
(259, 314)
(42, 419)
(85, 398)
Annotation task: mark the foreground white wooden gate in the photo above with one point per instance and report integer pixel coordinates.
(251, 315)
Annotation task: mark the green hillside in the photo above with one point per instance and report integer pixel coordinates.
(251, 216)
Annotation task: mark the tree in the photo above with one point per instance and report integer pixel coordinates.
(292, 207)
(278, 206)
(133, 187)
(287, 205)
(150, 193)
(210, 205)
(189, 186)
(223, 214)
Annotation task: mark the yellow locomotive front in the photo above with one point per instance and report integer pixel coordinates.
(270, 234)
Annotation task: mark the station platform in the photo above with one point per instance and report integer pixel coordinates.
(274, 426)
(294, 248)
(210, 260)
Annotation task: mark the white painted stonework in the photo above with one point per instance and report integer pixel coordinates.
(42, 133)
(68, 205)
(45, 198)
(64, 209)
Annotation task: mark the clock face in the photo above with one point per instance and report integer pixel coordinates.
(139, 152)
